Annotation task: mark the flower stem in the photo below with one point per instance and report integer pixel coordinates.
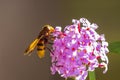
(92, 75)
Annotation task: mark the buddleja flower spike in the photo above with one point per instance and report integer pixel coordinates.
(78, 49)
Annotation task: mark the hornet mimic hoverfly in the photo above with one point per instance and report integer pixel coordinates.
(40, 41)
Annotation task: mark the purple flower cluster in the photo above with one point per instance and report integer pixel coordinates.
(78, 49)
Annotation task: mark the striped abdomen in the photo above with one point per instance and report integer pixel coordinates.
(41, 48)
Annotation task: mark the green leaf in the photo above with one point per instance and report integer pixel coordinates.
(91, 75)
(114, 47)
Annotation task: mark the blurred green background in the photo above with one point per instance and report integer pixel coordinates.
(21, 21)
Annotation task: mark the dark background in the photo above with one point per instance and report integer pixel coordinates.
(21, 21)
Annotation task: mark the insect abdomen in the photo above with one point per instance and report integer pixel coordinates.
(41, 49)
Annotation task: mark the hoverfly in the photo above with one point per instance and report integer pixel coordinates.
(40, 41)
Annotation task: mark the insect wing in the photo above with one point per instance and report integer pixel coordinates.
(31, 47)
